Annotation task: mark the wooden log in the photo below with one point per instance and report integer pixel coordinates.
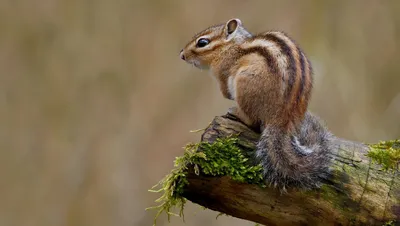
(357, 193)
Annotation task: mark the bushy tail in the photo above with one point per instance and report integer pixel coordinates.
(300, 159)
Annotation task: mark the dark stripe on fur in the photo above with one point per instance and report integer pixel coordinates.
(310, 72)
(303, 75)
(291, 66)
(269, 59)
(202, 51)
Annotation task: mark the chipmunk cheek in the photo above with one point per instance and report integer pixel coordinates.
(208, 59)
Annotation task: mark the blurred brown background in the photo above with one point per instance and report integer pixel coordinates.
(95, 103)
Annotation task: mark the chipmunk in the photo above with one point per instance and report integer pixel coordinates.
(270, 79)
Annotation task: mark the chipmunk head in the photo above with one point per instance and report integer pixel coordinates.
(207, 45)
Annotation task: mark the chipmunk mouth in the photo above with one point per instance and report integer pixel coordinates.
(194, 63)
(198, 64)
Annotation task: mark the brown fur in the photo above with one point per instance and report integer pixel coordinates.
(270, 79)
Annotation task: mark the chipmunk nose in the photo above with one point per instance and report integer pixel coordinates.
(182, 55)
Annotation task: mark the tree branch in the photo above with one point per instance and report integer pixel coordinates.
(357, 193)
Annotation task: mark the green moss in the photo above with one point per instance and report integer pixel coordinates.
(389, 223)
(328, 193)
(386, 153)
(220, 158)
(340, 201)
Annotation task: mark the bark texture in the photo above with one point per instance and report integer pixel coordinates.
(357, 193)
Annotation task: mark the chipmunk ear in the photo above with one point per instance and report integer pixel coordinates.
(231, 27)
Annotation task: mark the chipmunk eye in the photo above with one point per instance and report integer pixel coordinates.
(202, 42)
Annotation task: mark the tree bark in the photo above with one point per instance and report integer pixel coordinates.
(357, 193)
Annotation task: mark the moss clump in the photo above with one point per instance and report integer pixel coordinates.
(220, 158)
(389, 223)
(386, 153)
